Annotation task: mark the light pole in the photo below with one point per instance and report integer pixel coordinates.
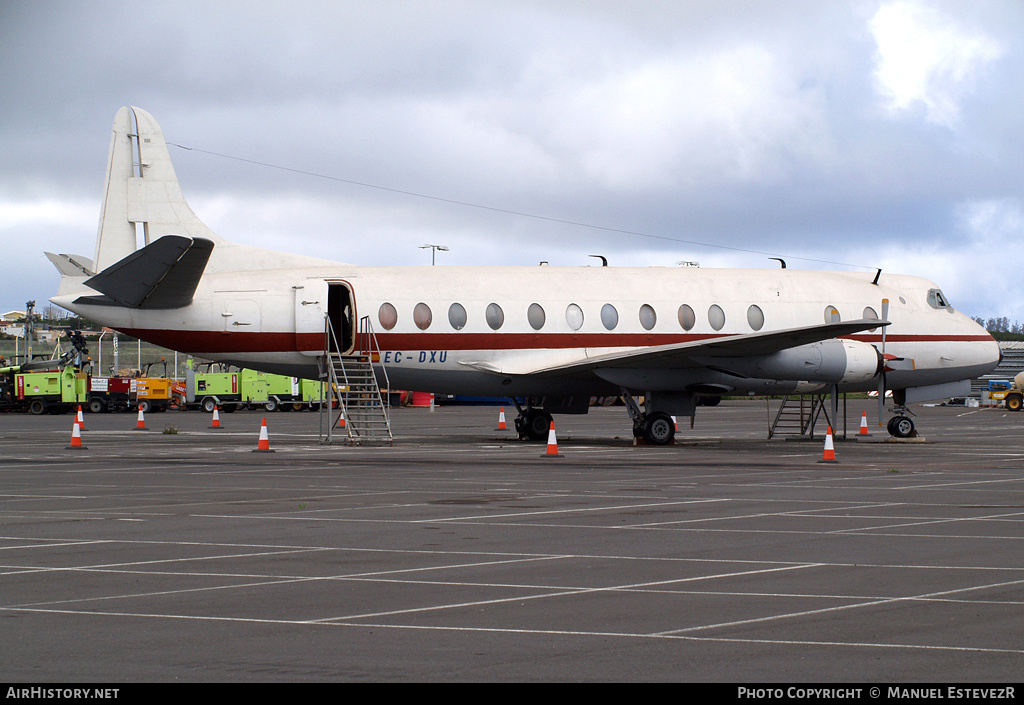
(433, 252)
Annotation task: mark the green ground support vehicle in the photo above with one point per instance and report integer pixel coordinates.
(46, 392)
(228, 389)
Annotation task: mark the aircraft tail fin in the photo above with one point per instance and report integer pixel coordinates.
(163, 274)
(141, 191)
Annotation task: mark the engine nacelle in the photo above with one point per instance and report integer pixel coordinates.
(831, 361)
(863, 361)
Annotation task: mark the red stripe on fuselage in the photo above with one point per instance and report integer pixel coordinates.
(268, 342)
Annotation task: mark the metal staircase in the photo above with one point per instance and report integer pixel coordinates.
(361, 416)
(798, 414)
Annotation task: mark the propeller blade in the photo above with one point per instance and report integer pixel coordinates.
(881, 374)
(885, 317)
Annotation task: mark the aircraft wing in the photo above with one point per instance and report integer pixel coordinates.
(685, 354)
(163, 274)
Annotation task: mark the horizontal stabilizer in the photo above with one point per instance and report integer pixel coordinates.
(163, 274)
(71, 265)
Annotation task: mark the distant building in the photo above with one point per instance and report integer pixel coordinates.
(12, 316)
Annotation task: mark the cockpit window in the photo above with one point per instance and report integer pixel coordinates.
(937, 300)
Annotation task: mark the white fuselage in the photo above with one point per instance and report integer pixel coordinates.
(510, 331)
(472, 332)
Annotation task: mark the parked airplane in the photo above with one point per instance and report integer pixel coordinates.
(556, 335)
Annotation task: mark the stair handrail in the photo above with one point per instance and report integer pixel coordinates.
(333, 381)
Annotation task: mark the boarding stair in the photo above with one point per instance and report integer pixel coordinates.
(797, 415)
(354, 412)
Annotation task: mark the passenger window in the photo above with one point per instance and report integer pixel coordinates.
(535, 314)
(687, 318)
(457, 316)
(755, 317)
(495, 316)
(574, 316)
(716, 317)
(648, 317)
(388, 316)
(609, 317)
(870, 315)
(422, 316)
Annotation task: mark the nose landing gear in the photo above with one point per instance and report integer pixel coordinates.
(901, 426)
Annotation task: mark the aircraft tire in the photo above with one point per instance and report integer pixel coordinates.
(537, 425)
(659, 430)
(902, 427)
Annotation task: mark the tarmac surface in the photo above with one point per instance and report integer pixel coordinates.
(462, 554)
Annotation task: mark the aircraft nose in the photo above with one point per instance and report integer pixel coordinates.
(988, 353)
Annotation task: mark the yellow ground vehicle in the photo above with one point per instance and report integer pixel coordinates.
(153, 393)
(1013, 397)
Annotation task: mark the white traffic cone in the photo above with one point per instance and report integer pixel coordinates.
(829, 456)
(76, 438)
(552, 451)
(263, 446)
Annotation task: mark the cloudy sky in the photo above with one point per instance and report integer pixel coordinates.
(838, 135)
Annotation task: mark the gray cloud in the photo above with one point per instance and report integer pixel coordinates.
(789, 128)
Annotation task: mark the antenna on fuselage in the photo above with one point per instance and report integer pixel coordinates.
(780, 261)
(875, 280)
(604, 260)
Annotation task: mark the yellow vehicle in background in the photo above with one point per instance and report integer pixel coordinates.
(1012, 393)
(153, 393)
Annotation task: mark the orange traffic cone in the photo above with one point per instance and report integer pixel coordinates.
(552, 444)
(264, 443)
(341, 419)
(81, 419)
(216, 419)
(501, 420)
(864, 424)
(76, 438)
(830, 452)
(140, 425)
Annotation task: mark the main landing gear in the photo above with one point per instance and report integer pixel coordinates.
(656, 428)
(532, 424)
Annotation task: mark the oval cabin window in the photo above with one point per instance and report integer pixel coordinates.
(457, 316)
(609, 317)
(648, 317)
(495, 316)
(422, 316)
(869, 314)
(535, 314)
(388, 316)
(716, 317)
(687, 318)
(574, 316)
(755, 317)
